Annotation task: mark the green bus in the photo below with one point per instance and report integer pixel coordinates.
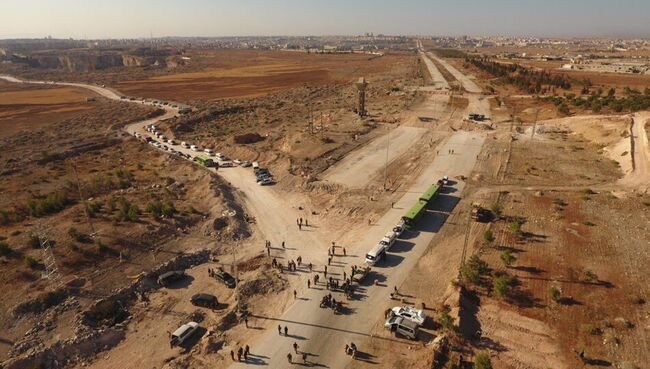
(430, 194)
(413, 215)
(206, 162)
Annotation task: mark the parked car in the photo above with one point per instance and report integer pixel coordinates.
(267, 181)
(402, 326)
(225, 277)
(210, 152)
(410, 313)
(183, 332)
(194, 148)
(226, 164)
(245, 163)
(205, 300)
(445, 180)
(170, 277)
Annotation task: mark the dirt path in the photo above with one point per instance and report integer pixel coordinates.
(366, 163)
(640, 175)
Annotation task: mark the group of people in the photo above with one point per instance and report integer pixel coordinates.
(299, 223)
(241, 352)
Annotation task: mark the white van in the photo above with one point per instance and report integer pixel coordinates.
(402, 326)
(256, 165)
(183, 333)
(185, 145)
(377, 253)
(194, 148)
(210, 152)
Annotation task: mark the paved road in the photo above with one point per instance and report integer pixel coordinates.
(324, 334)
(467, 83)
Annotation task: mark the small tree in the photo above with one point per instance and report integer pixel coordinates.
(488, 236)
(447, 322)
(482, 361)
(515, 226)
(34, 241)
(555, 293)
(502, 285)
(508, 257)
(30, 262)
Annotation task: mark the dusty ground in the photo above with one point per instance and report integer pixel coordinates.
(558, 175)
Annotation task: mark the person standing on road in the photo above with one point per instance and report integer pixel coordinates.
(282, 244)
(289, 358)
(268, 250)
(310, 267)
(308, 283)
(295, 294)
(344, 252)
(232, 355)
(329, 261)
(247, 350)
(240, 351)
(295, 347)
(344, 275)
(279, 330)
(304, 358)
(286, 330)
(246, 321)
(306, 223)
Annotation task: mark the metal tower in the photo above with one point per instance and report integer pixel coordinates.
(361, 88)
(51, 271)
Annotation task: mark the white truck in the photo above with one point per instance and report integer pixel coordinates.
(389, 240)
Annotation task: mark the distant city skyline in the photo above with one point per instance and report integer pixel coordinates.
(95, 19)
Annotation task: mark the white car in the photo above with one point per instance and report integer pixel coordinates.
(210, 152)
(226, 164)
(184, 332)
(194, 148)
(185, 145)
(156, 144)
(171, 142)
(245, 163)
(445, 180)
(137, 135)
(410, 313)
(267, 181)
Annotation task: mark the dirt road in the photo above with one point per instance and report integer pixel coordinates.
(640, 175)
(439, 82)
(367, 163)
(323, 334)
(467, 83)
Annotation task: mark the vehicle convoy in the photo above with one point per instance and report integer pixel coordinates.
(184, 332)
(410, 313)
(414, 214)
(402, 326)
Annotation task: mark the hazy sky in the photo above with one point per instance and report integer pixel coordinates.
(140, 18)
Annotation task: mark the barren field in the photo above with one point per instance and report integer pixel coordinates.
(24, 107)
(248, 74)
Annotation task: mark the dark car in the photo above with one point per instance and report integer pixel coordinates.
(205, 300)
(170, 277)
(225, 277)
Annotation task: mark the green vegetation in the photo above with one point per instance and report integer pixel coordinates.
(502, 286)
(508, 257)
(488, 236)
(124, 178)
(634, 101)
(526, 79)
(34, 241)
(591, 329)
(591, 276)
(157, 209)
(482, 361)
(447, 322)
(515, 226)
(30, 262)
(474, 269)
(50, 204)
(554, 293)
(78, 236)
(94, 207)
(127, 211)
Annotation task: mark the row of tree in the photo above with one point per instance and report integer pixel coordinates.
(531, 81)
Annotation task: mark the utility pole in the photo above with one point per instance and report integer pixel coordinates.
(386, 164)
(83, 200)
